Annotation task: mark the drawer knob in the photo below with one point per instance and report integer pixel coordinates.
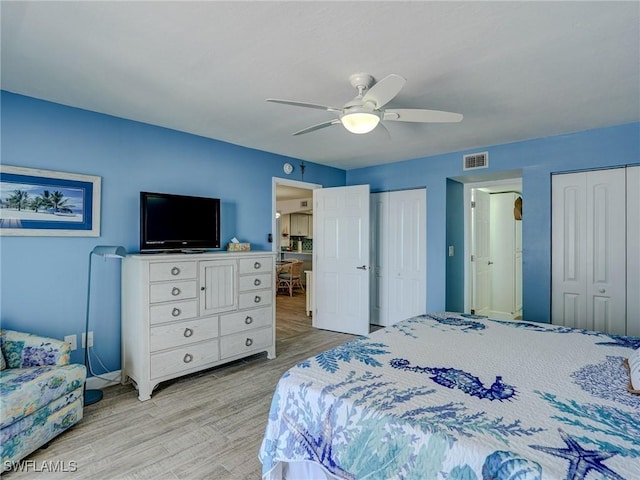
(248, 342)
(175, 271)
(248, 320)
(175, 291)
(187, 358)
(257, 265)
(257, 299)
(257, 282)
(188, 332)
(175, 312)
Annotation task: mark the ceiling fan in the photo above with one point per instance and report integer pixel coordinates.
(365, 111)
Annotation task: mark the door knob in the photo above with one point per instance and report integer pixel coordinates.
(489, 263)
(363, 267)
(602, 290)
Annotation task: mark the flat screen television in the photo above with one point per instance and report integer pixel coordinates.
(178, 222)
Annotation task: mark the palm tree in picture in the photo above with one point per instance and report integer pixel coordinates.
(57, 201)
(38, 203)
(18, 199)
(46, 199)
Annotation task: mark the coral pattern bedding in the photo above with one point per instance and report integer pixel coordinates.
(460, 397)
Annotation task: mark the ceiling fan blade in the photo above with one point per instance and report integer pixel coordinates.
(383, 131)
(385, 90)
(305, 104)
(422, 116)
(313, 128)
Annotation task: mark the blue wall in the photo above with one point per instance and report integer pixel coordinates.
(537, 159)
(44, 279)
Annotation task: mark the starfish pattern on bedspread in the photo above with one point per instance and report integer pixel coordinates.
(581, 461)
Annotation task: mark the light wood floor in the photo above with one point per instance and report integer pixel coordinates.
(205, 426)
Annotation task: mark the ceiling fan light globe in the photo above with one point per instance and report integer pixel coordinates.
(360, 122)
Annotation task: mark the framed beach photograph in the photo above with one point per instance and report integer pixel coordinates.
(47, 203)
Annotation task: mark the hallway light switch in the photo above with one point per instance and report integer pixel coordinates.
(451, 250)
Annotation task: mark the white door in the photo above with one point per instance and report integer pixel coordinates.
(589, 250)
(406, 257)
(503, 250)
(341, 259)
(481, 249)
(398, 255)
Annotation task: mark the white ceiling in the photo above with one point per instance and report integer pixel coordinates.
(516, 70)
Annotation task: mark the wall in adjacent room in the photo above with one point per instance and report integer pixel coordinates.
(537, 159)
(44, 279)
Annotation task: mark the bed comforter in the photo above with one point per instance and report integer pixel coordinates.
(460, 397)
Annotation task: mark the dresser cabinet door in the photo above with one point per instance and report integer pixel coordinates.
(218, 286)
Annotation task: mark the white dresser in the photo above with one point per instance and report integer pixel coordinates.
(185, 313)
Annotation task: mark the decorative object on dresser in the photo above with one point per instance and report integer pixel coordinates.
(105, 251)
(182, 315)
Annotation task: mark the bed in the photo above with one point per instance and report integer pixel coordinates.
(458, 397)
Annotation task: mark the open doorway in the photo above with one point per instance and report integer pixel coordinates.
(293, 240)
(493, 232)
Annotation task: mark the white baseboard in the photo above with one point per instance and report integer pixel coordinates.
(107, 380)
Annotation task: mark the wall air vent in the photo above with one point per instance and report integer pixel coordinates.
(476, 160)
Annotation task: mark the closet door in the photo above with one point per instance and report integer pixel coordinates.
(633, 251)
(398, 255)
(589, 250)
(407, 244)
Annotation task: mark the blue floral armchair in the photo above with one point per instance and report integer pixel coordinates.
(41, 394)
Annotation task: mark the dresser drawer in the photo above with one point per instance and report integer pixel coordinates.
(184, 358)
(169, 312)
(256, 265)
(163, 271)
(259, 298)
(256, 282)
(171, 335)
(240, 321)
(165, 292)
(241, 343)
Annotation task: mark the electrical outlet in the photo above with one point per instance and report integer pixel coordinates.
(90, 340)
(72, 340)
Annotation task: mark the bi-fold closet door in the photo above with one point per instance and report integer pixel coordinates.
(398, 255)
(595, 250)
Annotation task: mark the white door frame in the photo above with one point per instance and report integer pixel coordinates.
(468, 281)
(275, 181)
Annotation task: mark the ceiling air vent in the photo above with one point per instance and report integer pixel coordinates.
(476, 160)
